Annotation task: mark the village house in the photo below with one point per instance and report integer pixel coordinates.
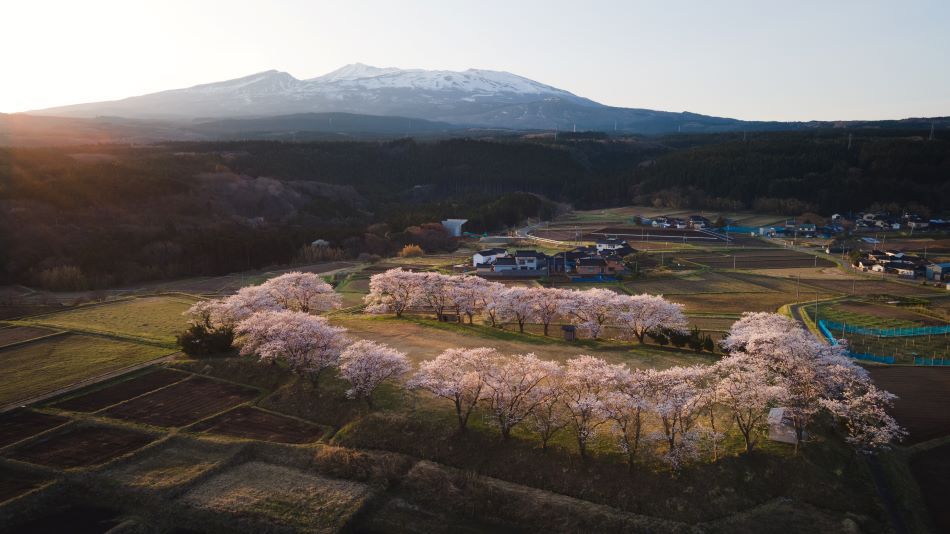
(591, 266)
(488, 256)
(938, 272)
(504, 264)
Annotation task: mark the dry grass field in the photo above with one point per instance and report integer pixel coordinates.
(150, 319)
(275, 497)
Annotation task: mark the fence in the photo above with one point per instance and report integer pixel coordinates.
(886, 332)
(937, 362)
(824, 325)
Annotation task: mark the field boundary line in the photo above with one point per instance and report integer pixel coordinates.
(104, 334)
(32, 340)
(86, 382)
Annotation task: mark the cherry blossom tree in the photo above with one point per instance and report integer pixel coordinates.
(625, 405)
(591, 309)
(515, 387)
(437, 291)
(863, 408)
(468, 295)
(676, 400)
(247, 301)
(366, 364)
(645, 313)
(547, 304)
(587, 381)
(304, 292)
(550, 415)
(393, 291)
(307, 343)
(456, 375)
(747, 390)
(495, 300)
(518, 304)
(815, 376)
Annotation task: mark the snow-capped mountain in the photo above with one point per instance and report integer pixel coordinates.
(473, 97)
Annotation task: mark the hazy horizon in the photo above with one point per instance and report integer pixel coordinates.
(852, 60)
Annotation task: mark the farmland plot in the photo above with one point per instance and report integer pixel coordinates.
(15, 482)
(155, 319)
(272, 497)
(16, 334)
(253, 423)
(49, 364)
(81, 446)
(98, 399)
(177, 462)
(183, 403)
(759, 259)
(923, 396)
(21, 424)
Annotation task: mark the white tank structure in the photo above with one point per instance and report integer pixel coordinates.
(454, 226)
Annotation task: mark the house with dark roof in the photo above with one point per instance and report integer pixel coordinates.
(529, 260)
(507, 263)
(488, 256)
(591, 266)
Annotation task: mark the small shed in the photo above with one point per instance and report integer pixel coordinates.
(781, 428)
(570, 332)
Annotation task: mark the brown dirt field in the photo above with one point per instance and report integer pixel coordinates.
(872, 287)
(663, 235)
(14, 483)
(924, 394)
(932, 470)
(887, 312)
(759, 259)
(17, 334)
(737, 302)
(249, 422)
(81, 446)
(21, 424)
(120, 391)
(183, 403)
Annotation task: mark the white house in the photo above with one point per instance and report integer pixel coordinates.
(504, 264)
(454, 226)
(528, 260)
(488, 256)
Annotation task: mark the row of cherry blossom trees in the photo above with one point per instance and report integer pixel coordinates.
(772, 362)
(276, 322)
(397, 290)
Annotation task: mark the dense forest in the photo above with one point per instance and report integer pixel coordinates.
(107, 215)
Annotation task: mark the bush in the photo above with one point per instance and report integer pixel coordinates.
(411, 251)
(200, 341)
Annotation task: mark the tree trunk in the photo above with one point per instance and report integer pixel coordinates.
(521, 326)
(545, 329)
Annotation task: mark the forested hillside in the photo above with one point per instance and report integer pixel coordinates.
(104, 215)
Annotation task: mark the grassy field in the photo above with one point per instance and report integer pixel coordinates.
(47, 365)
(150, 319)
(424, 339)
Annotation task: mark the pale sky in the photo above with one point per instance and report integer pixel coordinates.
(757, 59)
